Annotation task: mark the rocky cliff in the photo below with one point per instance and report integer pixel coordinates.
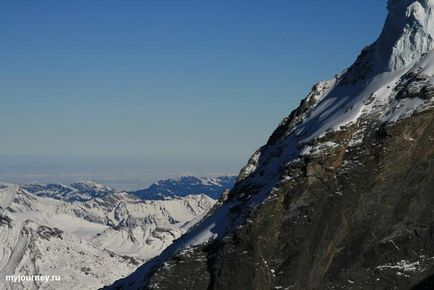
(342, 194)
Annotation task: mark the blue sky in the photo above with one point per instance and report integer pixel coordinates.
(120, 90)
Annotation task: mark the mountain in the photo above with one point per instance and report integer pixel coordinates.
(341, 195)
(78, 191)
(88, 243)
(168, 188)
(186, 185)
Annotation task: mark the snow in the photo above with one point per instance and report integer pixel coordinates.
(186, 185)
(215, 225)
(88, 243)
(7, 194)
(403, 265)
(368, 92)
(357, 138)
(409, 31)
(78, 191)
(251, 165)
(344, 105)
(404, 108)
(407, 34)
(318, 149)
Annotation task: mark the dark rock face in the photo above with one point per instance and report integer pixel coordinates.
(192, 273)
(342, 194)
(356, 217)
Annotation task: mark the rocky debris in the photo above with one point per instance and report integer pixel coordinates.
(415, 85)
(189, 264)
(48, 233)
(5, 220)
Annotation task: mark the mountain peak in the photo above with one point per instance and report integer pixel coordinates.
(407, 34)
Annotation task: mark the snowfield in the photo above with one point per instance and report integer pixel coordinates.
(90, 243)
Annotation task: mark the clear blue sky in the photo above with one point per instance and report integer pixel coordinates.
(176, 86)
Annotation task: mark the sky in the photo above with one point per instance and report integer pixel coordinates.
(128, 92)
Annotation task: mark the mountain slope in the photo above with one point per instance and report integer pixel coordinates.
(340, 197)
(186, 185)
(78, 191)
(88, 244)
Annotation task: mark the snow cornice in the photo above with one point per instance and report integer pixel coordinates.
(407, 34)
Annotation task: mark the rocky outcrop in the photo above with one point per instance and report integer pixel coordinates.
(355, 217)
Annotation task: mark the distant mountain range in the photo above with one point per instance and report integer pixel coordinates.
(87, 233)
(186, 185)
(160, 190)
(92, 234)
(78, 191)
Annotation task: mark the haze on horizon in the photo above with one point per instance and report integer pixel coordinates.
(125, 93)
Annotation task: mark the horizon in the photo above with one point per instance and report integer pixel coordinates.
(177, 177)
(117, 173)
(126, 94)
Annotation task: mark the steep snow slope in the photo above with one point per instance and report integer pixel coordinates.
(391, 81)
(88, 244)
(407, 34)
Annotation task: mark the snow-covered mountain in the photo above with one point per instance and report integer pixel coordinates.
(186, 185)
(78, 191)
(340, 197)
(87, 243)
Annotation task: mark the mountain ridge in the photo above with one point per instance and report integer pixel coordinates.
(162, 189)
(77, 191)
(339, 197)
(88, 243)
